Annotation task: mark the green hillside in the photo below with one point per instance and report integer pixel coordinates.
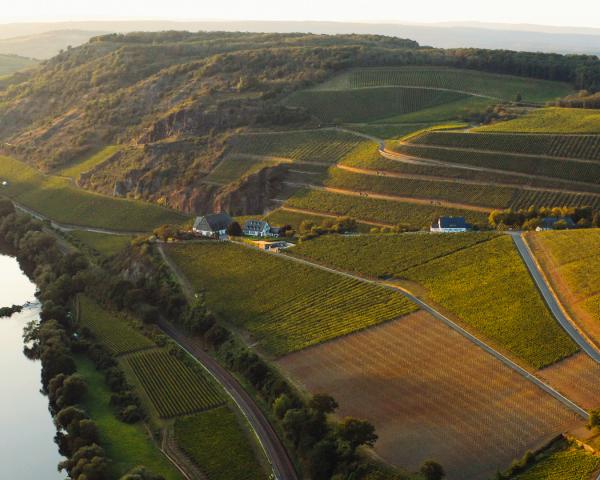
(13, 63)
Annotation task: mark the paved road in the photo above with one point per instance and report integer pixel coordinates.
(551, 300)
(267, 437)
(439, 316)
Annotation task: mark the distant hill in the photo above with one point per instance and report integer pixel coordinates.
(13, 63)
(45, 45)
(43, 40)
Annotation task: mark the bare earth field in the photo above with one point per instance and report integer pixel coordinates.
(575, 377)
(432, 394)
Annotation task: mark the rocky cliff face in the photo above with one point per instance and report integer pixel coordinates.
(253, 194)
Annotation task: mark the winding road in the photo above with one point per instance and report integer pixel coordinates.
(551, 300)
(267, 437)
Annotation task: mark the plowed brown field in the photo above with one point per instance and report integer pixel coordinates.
(432, 394)
(576, 377)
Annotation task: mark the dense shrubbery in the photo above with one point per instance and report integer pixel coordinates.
(531, 218)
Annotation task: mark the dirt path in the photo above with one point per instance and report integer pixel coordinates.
(171, 450)
(396, 198)
(461, 181)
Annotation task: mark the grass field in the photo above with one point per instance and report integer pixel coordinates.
(102, 242)
(215, 441)
(90, 162)
(571, 261)
(550, 120)
(497, 298)
(286, 306)
(504, 87)
(431, 394)
(125, 444)
(568, 146)
(569, 463)
(59, 200)
(370, 104)
(235, 167)
(384, 256)
(326, 146)
(173, 388)
(588, 172)
(386, 211)
(478, 195)
(111, 328)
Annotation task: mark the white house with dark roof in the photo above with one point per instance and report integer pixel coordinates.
(450, 225)
(256, 228)
(213, 225)
(556, 223)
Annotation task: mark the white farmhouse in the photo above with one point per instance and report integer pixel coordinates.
(213, 225)
(256, 228)
(450, 225)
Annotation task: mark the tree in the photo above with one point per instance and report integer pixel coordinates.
(6, 207)
(87, 463)
(141, 473)
(234, 230)
(357, 432)
(594, 420)
(323, 460)
(323, 403)
(432, 470)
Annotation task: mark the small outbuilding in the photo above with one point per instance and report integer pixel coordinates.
(256, 228)
(556, 223)
(450, 225)
(213, 225)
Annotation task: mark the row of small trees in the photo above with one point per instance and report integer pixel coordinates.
(531, 218)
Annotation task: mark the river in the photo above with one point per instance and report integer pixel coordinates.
(27, 448)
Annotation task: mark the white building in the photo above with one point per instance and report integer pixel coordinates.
(256, 228)
(213, 225)
(450, 225)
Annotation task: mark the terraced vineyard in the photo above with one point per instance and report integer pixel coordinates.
(571, 262)
(102, 243)
(477, 195)
(294, 219)
(474, 82)
(572, 463)
(308, 146)
(111, 328)
(59, 200)
(432, 394)
(585, 147)
(538, 198)
(533, 166)
(385, 211)
(370, 104)
(235, 167)
(286, 306)
(173, 388)
(384, 256)
(497, 298)
(550, 120)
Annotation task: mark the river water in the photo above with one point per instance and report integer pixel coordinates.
(27, 448)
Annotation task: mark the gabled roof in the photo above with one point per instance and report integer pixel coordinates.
(256, 226)
(213, 222)
(451, 222)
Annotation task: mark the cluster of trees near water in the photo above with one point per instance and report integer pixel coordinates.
(59, 278)
(138, 281)
(531, 218)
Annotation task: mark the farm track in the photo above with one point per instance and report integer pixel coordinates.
(266, 435)
(395, 198)
(411, 87)
(552, 301)
(460, 181)
(412, 160)
(454, 326)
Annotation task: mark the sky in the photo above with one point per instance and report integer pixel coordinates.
(582, 13)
